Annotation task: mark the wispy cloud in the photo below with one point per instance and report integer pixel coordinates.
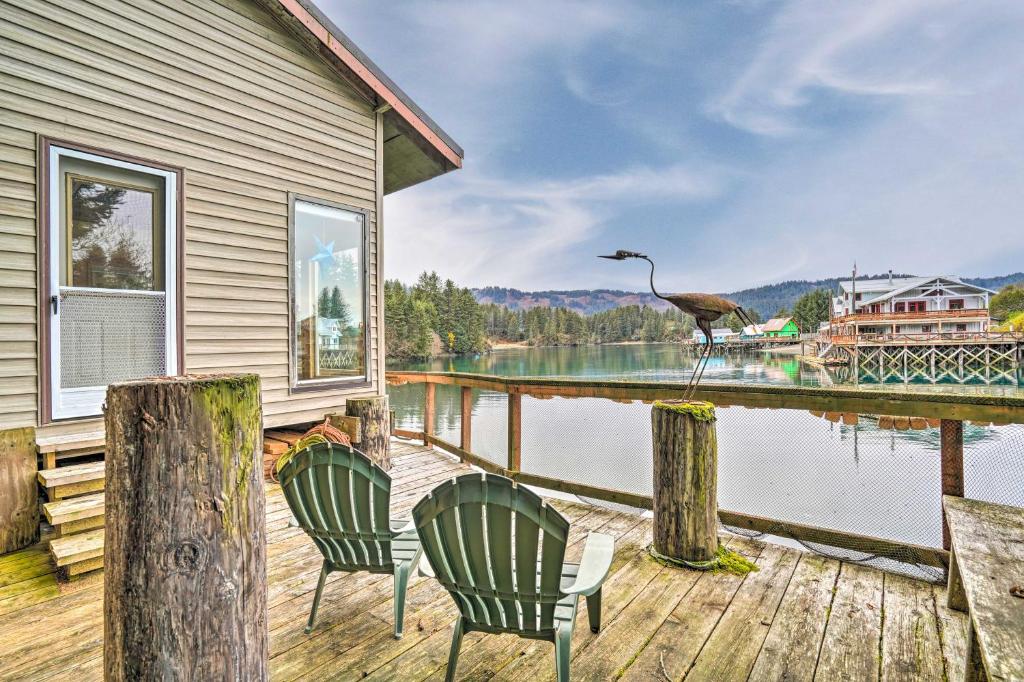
(882, 48)
(498, 231)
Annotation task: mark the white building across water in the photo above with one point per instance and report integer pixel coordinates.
(909, 306)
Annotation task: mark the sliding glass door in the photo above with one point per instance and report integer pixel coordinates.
(112, 251)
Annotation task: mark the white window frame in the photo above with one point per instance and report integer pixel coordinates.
(88, 401)
(297, 385)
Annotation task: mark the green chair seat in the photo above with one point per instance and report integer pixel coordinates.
(499, 549)
(342, 500)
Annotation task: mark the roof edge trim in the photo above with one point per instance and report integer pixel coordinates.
(350, 60)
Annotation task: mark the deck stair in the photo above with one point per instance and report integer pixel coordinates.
(54, 449)
(78, 553)
(69, 481)
(75, 514)
(825, 351)
(75, 509)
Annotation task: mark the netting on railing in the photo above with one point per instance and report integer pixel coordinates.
(801, 470)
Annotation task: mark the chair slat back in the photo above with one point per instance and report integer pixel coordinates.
(497, 548)
(342, 500)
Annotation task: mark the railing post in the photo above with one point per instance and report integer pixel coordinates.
(466, 419)
(952, 438)
(428, 412)
(515, 430)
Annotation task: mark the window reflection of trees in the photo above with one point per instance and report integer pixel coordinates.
(111, 236)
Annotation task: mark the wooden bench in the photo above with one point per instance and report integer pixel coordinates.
(986, 569)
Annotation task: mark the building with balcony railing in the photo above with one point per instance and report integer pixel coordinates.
(910, 306)
(936, 327)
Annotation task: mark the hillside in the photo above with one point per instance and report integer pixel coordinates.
(766, 300)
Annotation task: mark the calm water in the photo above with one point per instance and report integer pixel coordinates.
(784, 464)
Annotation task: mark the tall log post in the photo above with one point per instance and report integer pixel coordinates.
(374, 429)
(685, 481)
(19, 497)
(185, 584)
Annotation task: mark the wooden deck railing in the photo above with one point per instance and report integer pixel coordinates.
(923, 338)
(951, 410)
(915, 316)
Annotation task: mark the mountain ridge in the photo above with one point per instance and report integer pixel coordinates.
(765, 300)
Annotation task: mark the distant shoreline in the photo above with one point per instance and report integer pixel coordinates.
(793, 349)
(512, 345)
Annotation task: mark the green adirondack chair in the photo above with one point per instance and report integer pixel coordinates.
(499, 550)
(342, 499)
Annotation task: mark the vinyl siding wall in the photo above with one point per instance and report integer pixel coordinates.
(216, 87)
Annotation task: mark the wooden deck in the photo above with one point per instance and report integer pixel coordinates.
(800, 617)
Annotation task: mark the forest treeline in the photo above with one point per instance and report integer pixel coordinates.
(434, 317)
(767, 300)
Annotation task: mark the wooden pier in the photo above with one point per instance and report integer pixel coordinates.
(800, 617)
(989, 357)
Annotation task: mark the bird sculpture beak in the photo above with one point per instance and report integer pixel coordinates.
(623, 255)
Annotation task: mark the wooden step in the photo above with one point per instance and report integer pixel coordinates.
(78, 553)
(75, 514)
(57, 448)
(68, 481)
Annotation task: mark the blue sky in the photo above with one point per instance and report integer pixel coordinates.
(738, 142)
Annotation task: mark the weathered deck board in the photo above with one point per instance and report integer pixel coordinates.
(733, 646)
(850, 649)
(790, 651)
(800, 617)
(679, 640)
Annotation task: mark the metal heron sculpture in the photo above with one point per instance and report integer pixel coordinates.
(705, 309)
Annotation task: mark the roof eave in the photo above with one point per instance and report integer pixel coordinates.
(417, 149)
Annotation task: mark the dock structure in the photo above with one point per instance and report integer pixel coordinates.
(800, 615)
(986, 357)
(903, 329)
(995, 358)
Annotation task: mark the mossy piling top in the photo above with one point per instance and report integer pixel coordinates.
(700, 410)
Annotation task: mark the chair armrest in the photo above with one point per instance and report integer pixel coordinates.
(597, 559)
(424, 567)
(399, 526)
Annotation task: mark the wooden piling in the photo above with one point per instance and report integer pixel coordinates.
(185, 584)
(374, 427)
(685, 501)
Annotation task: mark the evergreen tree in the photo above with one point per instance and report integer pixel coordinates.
(812, 309)
(323, 305)
(340, 310)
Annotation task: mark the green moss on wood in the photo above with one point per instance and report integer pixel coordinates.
(698, 409)
(234, 403)
(725, 561)
(729, 561)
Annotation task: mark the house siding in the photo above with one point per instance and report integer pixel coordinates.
(218, 88)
